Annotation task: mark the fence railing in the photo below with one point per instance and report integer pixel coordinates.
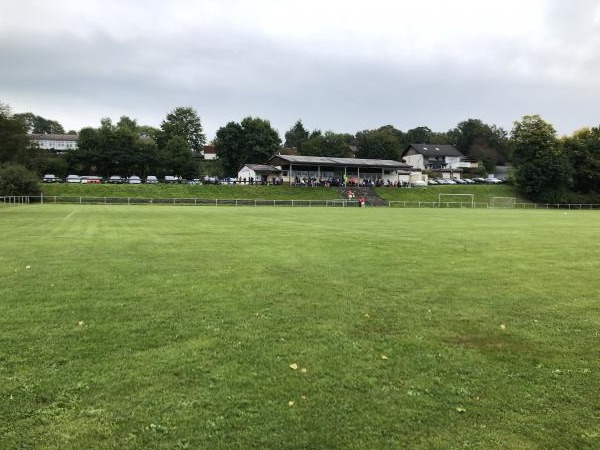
(25, 199)
(55, 199)
(419, 204)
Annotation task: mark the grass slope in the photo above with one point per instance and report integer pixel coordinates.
(483, 193)
(191, 191)
(220, 328)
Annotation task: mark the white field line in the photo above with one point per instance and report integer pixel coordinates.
(68, 216)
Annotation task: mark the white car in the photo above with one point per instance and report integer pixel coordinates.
(73, 179)
(134, 179)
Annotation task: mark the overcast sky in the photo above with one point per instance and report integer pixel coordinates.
(338, 65)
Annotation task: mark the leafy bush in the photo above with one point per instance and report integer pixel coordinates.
(15, 179)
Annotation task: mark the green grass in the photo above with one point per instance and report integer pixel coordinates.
(483, 193)
(191, 191)
(163, 328)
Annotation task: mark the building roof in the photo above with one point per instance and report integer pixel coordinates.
(262, 168)
(339, 162)
(53, 137)
(434, 150)
(209, 149)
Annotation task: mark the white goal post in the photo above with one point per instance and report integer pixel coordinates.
(456, 200)
(502, 202)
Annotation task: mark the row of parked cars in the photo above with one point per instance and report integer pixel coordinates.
(114, 179)
(489, 180)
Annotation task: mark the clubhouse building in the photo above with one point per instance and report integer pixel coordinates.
(293, 169)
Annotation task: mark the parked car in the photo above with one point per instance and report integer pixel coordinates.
(50, 178)
(91, 179)
(171, 179)
(151, 179)
(73, 179)
(492, 180)
(115, 179)
(419, 183)
(134, 179)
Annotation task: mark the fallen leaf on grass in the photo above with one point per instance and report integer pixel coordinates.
(384, 357)
(303, 370)
(294, 366)
(291, 403)
(460, 409)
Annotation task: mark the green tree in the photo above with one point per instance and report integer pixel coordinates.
(481, 142)
(542, 171)
(328, 144)
(583, 150)
(87, 154)
(251, 141)
(418, 135)
(15, 146)
(114, 150)
(40, 125)
(177, 159)
(382, 143)
(16, 179)
(296, 136)
(183, 121)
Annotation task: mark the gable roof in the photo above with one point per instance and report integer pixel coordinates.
(339, 162)
(262, 168)
(434, 150)
(53, 137)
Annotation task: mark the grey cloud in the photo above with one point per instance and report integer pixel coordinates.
(234, 73)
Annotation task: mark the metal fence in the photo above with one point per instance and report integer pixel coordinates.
(568, 206)
(336, 203)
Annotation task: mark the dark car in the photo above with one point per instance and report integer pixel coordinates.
(49, 178)
(116, 179)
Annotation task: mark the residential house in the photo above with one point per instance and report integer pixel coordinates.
(432, 156)
(57, 143)
(209, 152)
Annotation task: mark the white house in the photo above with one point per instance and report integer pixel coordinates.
(433, 156)
(258, 173)
(209, 152)
(58, 143)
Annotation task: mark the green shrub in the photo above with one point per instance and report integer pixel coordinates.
(15, 179)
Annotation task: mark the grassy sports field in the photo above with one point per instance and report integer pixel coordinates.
(291, 328)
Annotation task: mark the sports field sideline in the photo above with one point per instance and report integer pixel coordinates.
(287, 328)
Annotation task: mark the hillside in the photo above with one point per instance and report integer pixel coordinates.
(483, 193)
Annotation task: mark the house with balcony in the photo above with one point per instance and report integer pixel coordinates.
(433, 156)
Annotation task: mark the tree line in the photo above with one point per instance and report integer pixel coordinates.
(546, 167)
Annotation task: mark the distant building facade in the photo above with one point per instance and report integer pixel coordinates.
(209, 152)
(433, 156)
(57, 143)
